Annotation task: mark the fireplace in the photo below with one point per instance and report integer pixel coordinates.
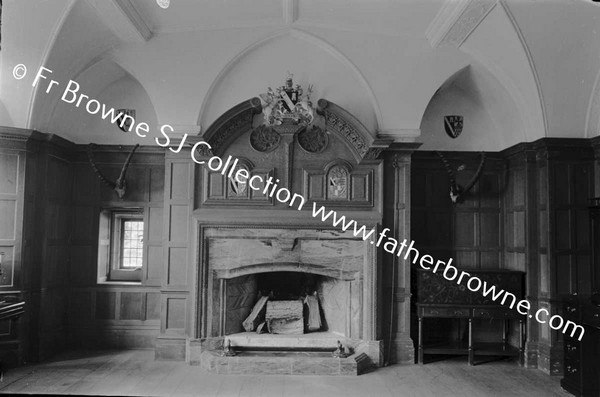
(240, 264)
(243, 236)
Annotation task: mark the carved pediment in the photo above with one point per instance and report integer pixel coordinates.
(238, 121)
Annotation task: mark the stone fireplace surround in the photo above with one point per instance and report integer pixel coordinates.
(235, 257)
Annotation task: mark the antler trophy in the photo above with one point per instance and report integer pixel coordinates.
(120, 184)
(456, 191)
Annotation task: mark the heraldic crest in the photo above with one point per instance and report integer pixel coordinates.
(453, 125)
(287, 104)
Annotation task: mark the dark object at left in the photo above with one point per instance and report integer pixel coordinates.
(9, 311)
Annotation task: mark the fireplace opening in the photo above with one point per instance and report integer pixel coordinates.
(287, 285)
(289, 305)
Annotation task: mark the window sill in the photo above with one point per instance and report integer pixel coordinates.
(118, 282)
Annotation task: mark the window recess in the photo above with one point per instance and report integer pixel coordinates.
(121, 238)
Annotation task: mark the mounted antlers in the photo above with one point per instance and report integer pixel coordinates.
(120, 184)
(456, 191)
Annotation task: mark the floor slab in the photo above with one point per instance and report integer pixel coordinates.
(136, 373)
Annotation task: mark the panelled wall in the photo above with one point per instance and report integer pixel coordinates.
(36, 175)
(565, 185)
(396, 271)
(51, 200)
(177, 274)
(46, 276)
(521, 230)
(528, 212)
(115, 314)
(13, 164)
(470, 231)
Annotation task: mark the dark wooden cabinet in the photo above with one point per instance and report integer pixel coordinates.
(595, 244)
(439, 298)
(581, 357)
(581, 362)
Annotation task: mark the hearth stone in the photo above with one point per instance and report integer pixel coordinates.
(371, 352)
(313, 340)
(284, 363)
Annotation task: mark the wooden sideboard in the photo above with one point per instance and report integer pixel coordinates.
(440, 298)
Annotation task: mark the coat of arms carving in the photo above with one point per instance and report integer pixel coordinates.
(126, 121)
(287, 104)
(237, 188)
(337, 181)
(453, 125)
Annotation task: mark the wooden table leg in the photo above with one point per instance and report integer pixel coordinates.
(471, 355)
(420, 340)
(521, 344)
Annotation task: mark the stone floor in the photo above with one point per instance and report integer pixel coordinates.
(137, 373)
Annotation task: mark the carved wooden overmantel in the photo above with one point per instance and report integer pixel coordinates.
(239, 120)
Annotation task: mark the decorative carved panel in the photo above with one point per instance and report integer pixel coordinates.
(435, 289)
(226, 191)
(264, 139)
(313, 139)
(338, 184)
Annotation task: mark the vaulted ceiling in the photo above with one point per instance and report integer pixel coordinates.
(517, 70)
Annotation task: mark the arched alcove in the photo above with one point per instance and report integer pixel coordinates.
(492, 120)
(112, 86)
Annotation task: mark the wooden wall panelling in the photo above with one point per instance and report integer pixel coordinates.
(52, 204)
(59, 231)
(177, 222)
(12, 164)
(565, 183)
(13, 203)
(396, 272)
(595, 142)
(112, 315)
(175, 321)
(471, 232)
(522, 232)
(85, 205)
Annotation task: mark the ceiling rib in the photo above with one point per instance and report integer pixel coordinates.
(123, 19)
(456, 20)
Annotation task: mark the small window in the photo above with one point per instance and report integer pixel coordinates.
(121, 245)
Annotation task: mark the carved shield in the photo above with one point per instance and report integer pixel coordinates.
(236, 188)
(453, 125)
(338, 183)
(128, 121)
